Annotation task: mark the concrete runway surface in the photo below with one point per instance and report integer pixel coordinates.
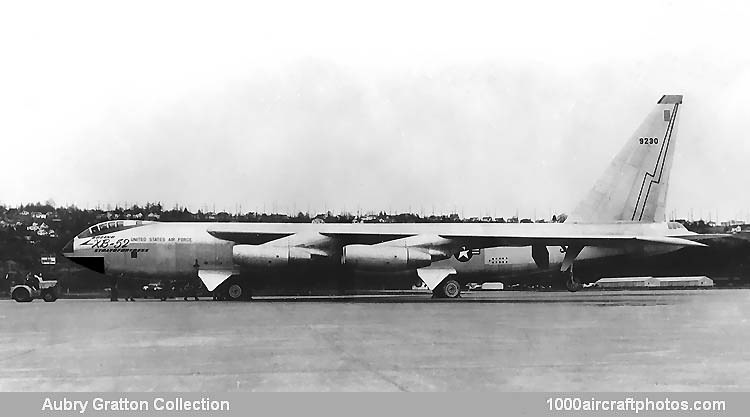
(693, 340)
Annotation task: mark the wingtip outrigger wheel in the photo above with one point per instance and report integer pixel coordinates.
(571, 282)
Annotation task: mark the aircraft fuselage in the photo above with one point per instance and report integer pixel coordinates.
(174, 251)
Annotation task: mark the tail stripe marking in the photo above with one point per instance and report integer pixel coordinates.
(662, 152)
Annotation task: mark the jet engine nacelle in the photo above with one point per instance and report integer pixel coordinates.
(269, 256)
(384, 258)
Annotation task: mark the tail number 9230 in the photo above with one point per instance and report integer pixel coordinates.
(648, 141)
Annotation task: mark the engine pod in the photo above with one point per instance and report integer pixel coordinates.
(269, 256)
(384, 258)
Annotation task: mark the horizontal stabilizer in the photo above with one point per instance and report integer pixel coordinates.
(674, 241)
(713, 237)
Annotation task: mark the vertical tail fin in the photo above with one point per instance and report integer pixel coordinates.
(634, 186)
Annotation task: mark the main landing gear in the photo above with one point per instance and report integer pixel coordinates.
(234, 289)
(572, 283)
(450, 288)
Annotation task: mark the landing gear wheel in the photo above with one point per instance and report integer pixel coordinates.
(49, 297)
(571, 282)
(449, 288)
(237, 291)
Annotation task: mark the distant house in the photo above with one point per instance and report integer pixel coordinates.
(655, 282)
(153, 216)
(627, 282)
(697, 281)
(38, 215)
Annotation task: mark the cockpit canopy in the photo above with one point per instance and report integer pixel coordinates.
(110, 227)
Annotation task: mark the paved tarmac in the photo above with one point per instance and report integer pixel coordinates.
(693, 340)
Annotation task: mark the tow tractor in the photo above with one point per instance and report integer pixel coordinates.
(26, 292)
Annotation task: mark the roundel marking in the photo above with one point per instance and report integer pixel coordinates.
(463, 254)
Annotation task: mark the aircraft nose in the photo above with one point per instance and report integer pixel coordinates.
(68, 248)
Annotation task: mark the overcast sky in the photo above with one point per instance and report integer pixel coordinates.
(298, 106)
